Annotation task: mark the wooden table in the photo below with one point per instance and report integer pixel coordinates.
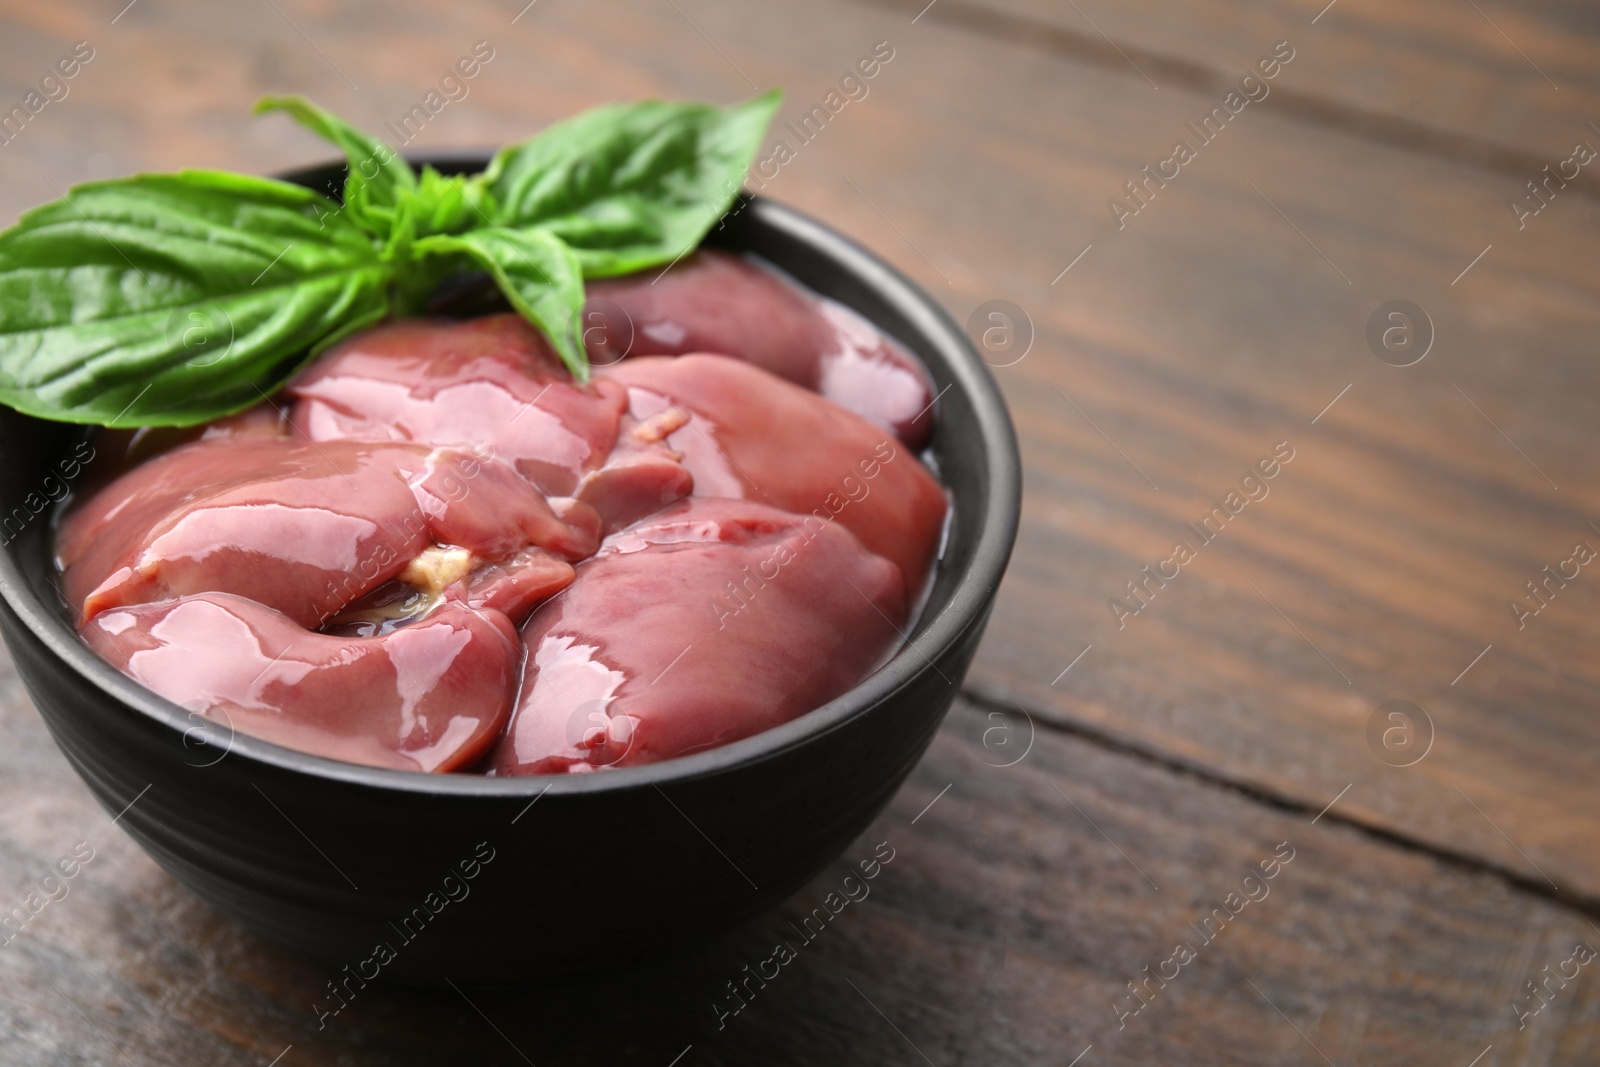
(1239, 716)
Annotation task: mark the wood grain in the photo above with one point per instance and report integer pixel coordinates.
(1500, 85)
(1004, 931)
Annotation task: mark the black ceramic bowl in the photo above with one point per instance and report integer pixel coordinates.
(583, 873)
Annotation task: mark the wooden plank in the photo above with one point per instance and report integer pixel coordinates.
(1196, 343)
(1199, 341)
(1217, 323)
(1018, 904)
(1502, 85)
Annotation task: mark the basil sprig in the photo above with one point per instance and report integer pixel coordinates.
(174, 299)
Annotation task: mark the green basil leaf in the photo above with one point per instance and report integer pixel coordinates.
(629, 186)
(378, 177)
(177, 299)
(538, 274)
(170, 300)
(451, 205)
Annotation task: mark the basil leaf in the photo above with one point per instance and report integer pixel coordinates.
(450, 205)
(170, 300)
(538, 274)
(176, 299)
(378, 178)
(628, 186)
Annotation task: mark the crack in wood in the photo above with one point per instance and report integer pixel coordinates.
(1582, 903)
(1392, 131)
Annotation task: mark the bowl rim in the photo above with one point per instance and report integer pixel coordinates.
(967, 605)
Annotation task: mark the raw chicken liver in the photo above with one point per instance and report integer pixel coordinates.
(489, 381)
(299, 527)
(431, 696)
(695, 548)
(716, 302)
(712, 621)
(826, 461)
